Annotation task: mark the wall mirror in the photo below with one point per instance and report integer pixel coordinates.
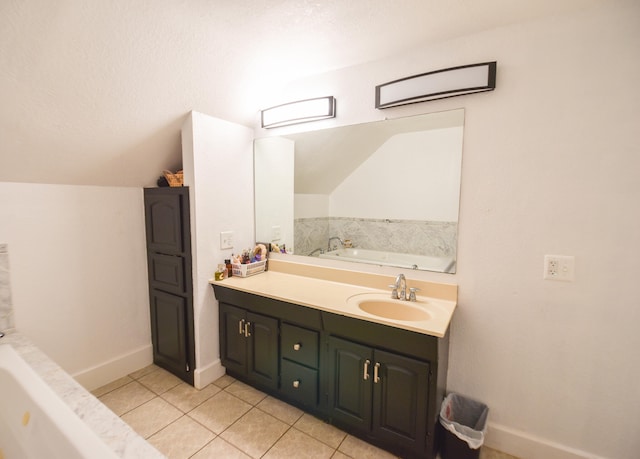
(384, 192)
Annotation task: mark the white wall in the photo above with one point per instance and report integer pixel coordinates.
(218, 168)
(550, 166)
(79, 275)
(311, 205)
(273, 180)
(427, 161)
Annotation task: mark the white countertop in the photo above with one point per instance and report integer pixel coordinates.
(341, 297)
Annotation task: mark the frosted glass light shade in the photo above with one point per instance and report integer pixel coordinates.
(299, 112)
(455, 81)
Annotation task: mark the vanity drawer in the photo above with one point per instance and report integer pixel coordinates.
(299, 383)
(300, 345)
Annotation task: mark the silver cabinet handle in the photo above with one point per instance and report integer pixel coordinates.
(375, 372)
(365, 373)
(296, 347)
(241, 327)
(247, 329)
(296, 384)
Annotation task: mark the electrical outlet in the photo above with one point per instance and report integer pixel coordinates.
(559, 267)
(226, 240)
(276, 233)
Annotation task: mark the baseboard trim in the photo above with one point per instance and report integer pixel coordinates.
(205, 376)
(526, 446)
(106, 372)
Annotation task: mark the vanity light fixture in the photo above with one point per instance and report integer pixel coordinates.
(455, 81)
(301, 111)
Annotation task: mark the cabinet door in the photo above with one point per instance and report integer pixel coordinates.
(350, 383)
(167, 273)
(263, 349)
(400, 386)
(233, 343)
(168, 329)
(165, 211)
(170, 284)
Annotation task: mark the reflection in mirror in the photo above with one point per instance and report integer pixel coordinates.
(384, 192)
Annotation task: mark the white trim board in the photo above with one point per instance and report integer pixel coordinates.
(204, 376)
(526, 446)
(106, 372)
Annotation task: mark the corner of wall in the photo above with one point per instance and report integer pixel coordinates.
(106, 372)
(209, 373)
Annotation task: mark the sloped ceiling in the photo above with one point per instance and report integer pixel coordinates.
(325, 158)
(96, 92)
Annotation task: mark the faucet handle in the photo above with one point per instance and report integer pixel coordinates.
(394, 292)
(412, 293)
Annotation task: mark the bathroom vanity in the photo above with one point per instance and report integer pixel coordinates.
(303, 339)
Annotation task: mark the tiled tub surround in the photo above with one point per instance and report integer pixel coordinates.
(115, 433)
(6, 309)
(435, 239)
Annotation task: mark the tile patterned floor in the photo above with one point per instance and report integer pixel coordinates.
(228, 419)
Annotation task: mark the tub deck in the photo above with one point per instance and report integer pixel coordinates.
(43, 406)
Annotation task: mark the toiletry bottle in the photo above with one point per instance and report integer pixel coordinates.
(229, 268)
(220, 272)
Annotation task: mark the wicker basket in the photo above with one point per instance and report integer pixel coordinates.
(176, 179)
(249, 269)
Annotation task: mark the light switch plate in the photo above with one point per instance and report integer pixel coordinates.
(226, 240)
(276, 233)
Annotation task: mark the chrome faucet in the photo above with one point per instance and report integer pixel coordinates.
(331, 239)
(401, 285)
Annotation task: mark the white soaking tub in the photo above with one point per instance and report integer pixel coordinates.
(35, 422)
(401, 260)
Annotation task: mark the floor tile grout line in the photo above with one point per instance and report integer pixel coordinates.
(290, 425)
(225, 388)
(201, 424)
(275, 442)
(112, 390)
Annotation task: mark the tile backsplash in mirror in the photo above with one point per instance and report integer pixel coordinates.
(430, 238)
(6, 310)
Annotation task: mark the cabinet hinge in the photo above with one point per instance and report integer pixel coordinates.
(187, 368)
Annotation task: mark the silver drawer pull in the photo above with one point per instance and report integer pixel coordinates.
(296, 347)
(247, 329)
(375, 372)
(296, 384)
(365, 373)
(241, 326)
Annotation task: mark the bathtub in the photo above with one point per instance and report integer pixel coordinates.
(400, 260)
(35, 422)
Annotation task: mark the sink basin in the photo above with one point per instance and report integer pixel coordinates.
(394, 309)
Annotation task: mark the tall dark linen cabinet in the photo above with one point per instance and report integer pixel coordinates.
(170, 279)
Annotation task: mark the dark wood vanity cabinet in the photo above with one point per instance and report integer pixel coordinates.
(380, 383)
(170, 281)
(249, 345)
(381, 394)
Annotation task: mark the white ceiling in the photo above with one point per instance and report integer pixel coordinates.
(95, 92)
